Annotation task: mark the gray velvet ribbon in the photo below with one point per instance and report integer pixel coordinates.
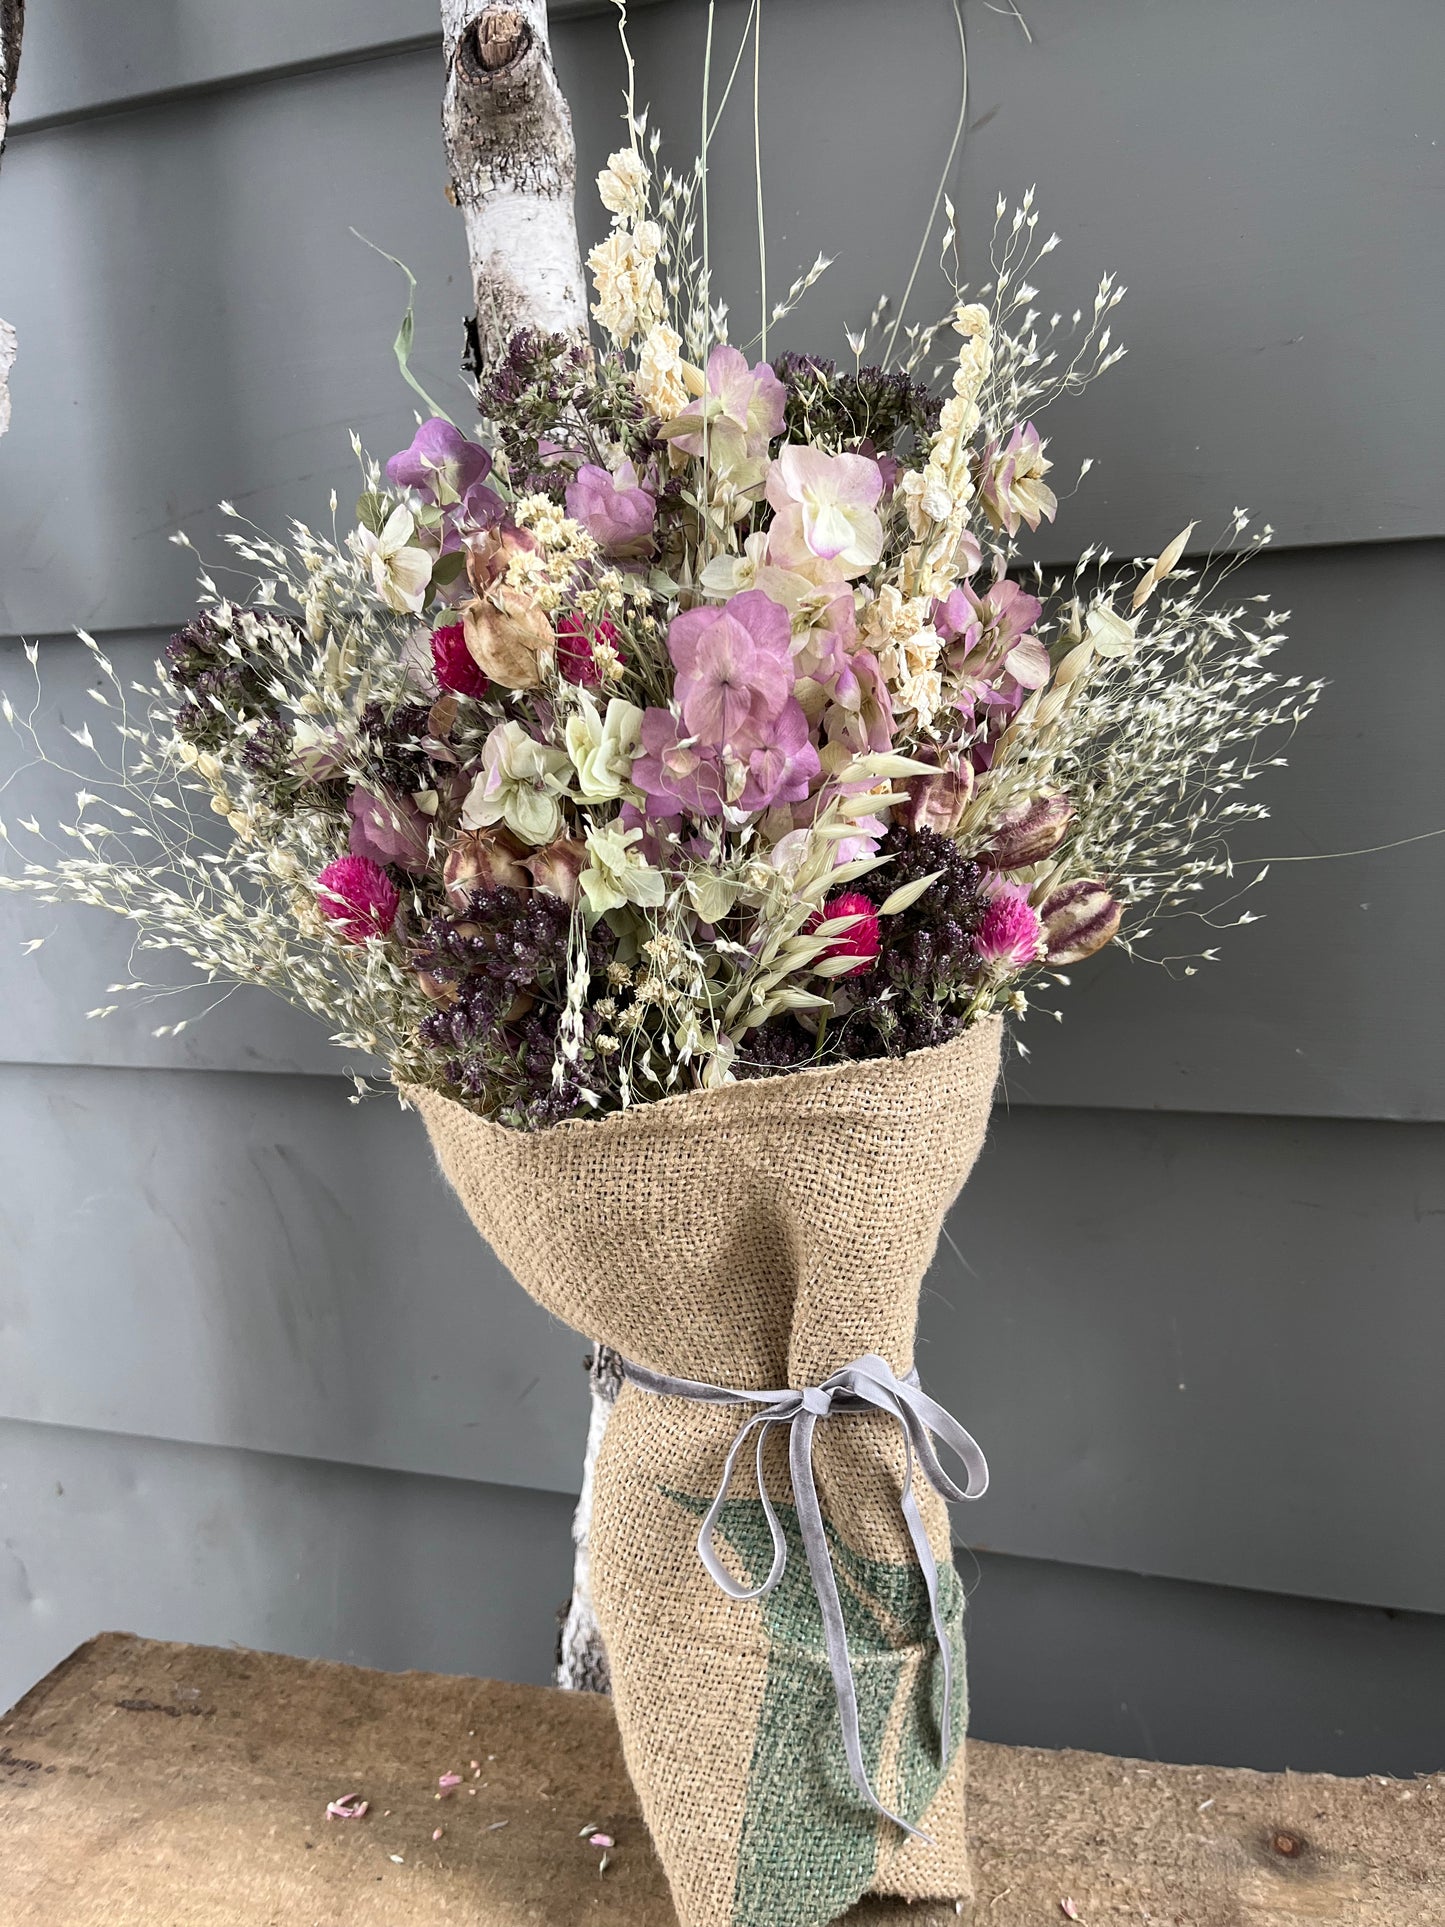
(869, 1384)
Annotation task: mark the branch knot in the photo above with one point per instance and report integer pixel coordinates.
(498, 38)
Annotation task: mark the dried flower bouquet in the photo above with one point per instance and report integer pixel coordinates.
(672, 781)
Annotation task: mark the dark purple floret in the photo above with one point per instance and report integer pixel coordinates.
(393, 738)
(498, 967)
(834, 409)
(269, 749)
(220, 691)
(547, 393)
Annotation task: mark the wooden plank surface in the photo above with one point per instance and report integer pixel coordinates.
(145, 1783)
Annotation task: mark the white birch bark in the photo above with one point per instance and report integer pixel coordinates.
(508, 137)
(12, 26)
(581, 1655)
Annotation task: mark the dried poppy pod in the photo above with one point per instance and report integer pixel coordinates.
(557, 866)
(509, 638)
(484, 860)
(1078, 920)
(1028, 833)
(937, 802)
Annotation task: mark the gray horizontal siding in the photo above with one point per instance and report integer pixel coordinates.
(1182, 1340)
(250, 1261)
(1205, 1347)
(89, 57)
(327, 1561)
(1155, 1670)
(384, 1569)
(252, 1358)
(244, 330)
(1326, 1008)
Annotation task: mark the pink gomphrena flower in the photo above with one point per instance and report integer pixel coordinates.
(575, 658)
(861, 940)
(358, 897)
(1010, 937)
(456, 667)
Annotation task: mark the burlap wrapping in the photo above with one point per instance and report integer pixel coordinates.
(763, 1234)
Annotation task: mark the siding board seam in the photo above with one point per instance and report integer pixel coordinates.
(1005, 1104)
(222, 85)
(108, 107)
(962, 1548)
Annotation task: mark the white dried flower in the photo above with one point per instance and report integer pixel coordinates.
(660, 366)
(603, 750)
(521, 785)
(618, 872)
(623, 184)
(624, 271)
(399, 571)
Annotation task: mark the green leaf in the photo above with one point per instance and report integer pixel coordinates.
(859, 867)
(448, 567)
(836, 966)
(790, 999)
(371, 511)
(837, 926)
(401, 347)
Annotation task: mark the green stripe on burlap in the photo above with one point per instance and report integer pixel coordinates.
(808, 1846)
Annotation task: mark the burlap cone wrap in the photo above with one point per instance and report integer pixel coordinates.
(760, 1235)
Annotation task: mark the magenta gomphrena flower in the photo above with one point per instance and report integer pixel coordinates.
(861, 941)
(358, 897)
(1010, 936)
(576, 658)
(455, 666)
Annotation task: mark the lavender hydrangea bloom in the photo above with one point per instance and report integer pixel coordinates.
(781, 761)
(439, 451)
(734, 665)
(388, 828)
(674, 772)
(615, 509)
(990, 640)
(442, 464)
(740, 411)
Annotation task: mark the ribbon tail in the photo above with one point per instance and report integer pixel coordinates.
(835, 1636)
(928, 1566)
(917, 1414)
(707, 1550)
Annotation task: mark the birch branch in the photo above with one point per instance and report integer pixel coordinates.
(581, 1655)
(508, 133)
(12, 28)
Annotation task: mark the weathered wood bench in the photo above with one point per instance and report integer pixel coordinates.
(150, 1785)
